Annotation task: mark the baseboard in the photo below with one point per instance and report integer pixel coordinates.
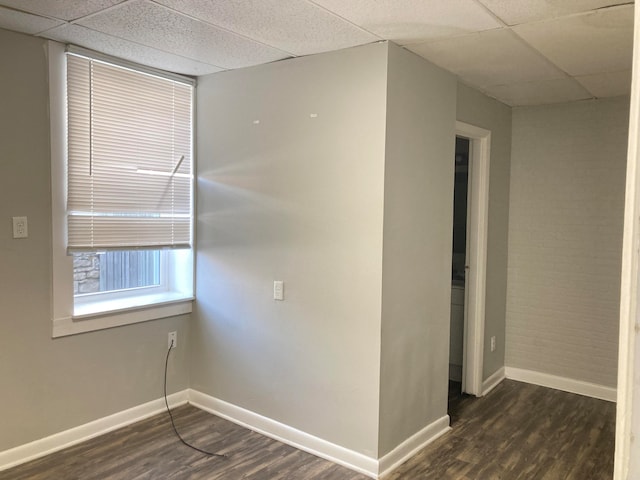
(413, 444)
(285, 434)
(493, 381)
(53, 443)
(561, 383)
(353, 460)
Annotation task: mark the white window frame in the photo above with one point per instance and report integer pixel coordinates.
(176, 298)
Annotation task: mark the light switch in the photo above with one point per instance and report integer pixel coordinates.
(278, 290)
(20, 228)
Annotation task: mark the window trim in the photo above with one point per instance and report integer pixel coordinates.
(64, 322)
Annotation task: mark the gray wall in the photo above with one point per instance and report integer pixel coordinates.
(418, 226)
(565, 238)
(294, 198)
(52, 385)
(301, 199)
(297, 199)
(481, 111)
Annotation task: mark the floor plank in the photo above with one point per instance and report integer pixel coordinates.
(518, 431)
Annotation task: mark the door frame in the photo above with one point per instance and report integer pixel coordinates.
(476, 258)
(626, 461)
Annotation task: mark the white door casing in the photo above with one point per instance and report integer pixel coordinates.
(476, 259)
(627, 451)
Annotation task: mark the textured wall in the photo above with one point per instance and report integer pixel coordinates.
(565, 238)
(50, 385)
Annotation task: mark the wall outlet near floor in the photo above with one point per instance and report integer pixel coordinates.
(493, 344)
(173, 337)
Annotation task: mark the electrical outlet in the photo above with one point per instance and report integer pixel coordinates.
(20, 227)
(493, 344)
(278, 290)
(173, 338)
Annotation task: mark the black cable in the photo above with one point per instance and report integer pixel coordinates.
(166, 365)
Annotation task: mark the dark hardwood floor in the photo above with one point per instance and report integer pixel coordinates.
(518, 431)
(149, 450)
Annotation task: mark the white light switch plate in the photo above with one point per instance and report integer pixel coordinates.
(20, 227)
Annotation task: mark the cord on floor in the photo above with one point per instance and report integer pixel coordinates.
(166, 402)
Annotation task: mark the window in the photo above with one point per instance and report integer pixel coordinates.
(114, 271)
(122, 192)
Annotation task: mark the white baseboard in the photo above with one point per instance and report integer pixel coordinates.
(412, 445)
(493, 381)
(353, 460)
(286, 434)
(561, 383)
(67, 438)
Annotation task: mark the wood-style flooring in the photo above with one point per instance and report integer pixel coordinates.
(518, 431)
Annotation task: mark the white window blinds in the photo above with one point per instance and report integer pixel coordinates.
(129, 158)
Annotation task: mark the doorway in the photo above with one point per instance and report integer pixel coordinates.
(469, 268)
(458, 264)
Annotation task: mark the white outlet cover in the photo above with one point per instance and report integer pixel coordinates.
(278, 290)
(20, 227)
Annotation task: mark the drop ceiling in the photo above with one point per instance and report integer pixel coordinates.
(522, 52)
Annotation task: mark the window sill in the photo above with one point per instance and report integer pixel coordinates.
(115, 313)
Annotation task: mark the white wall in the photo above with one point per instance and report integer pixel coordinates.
(418, 228)
(565, 238)
(51, 385)
(297, 199)
(479, 110)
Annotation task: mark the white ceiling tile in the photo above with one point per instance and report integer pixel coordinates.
(539, 93)
(608, 84)
(594, 42)
(157, 26)
(514, 12)
(529, 63)
(25, 22)
(64, 9)
(494, 57)
(414, 21)
(134, 52)
(294, 26)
